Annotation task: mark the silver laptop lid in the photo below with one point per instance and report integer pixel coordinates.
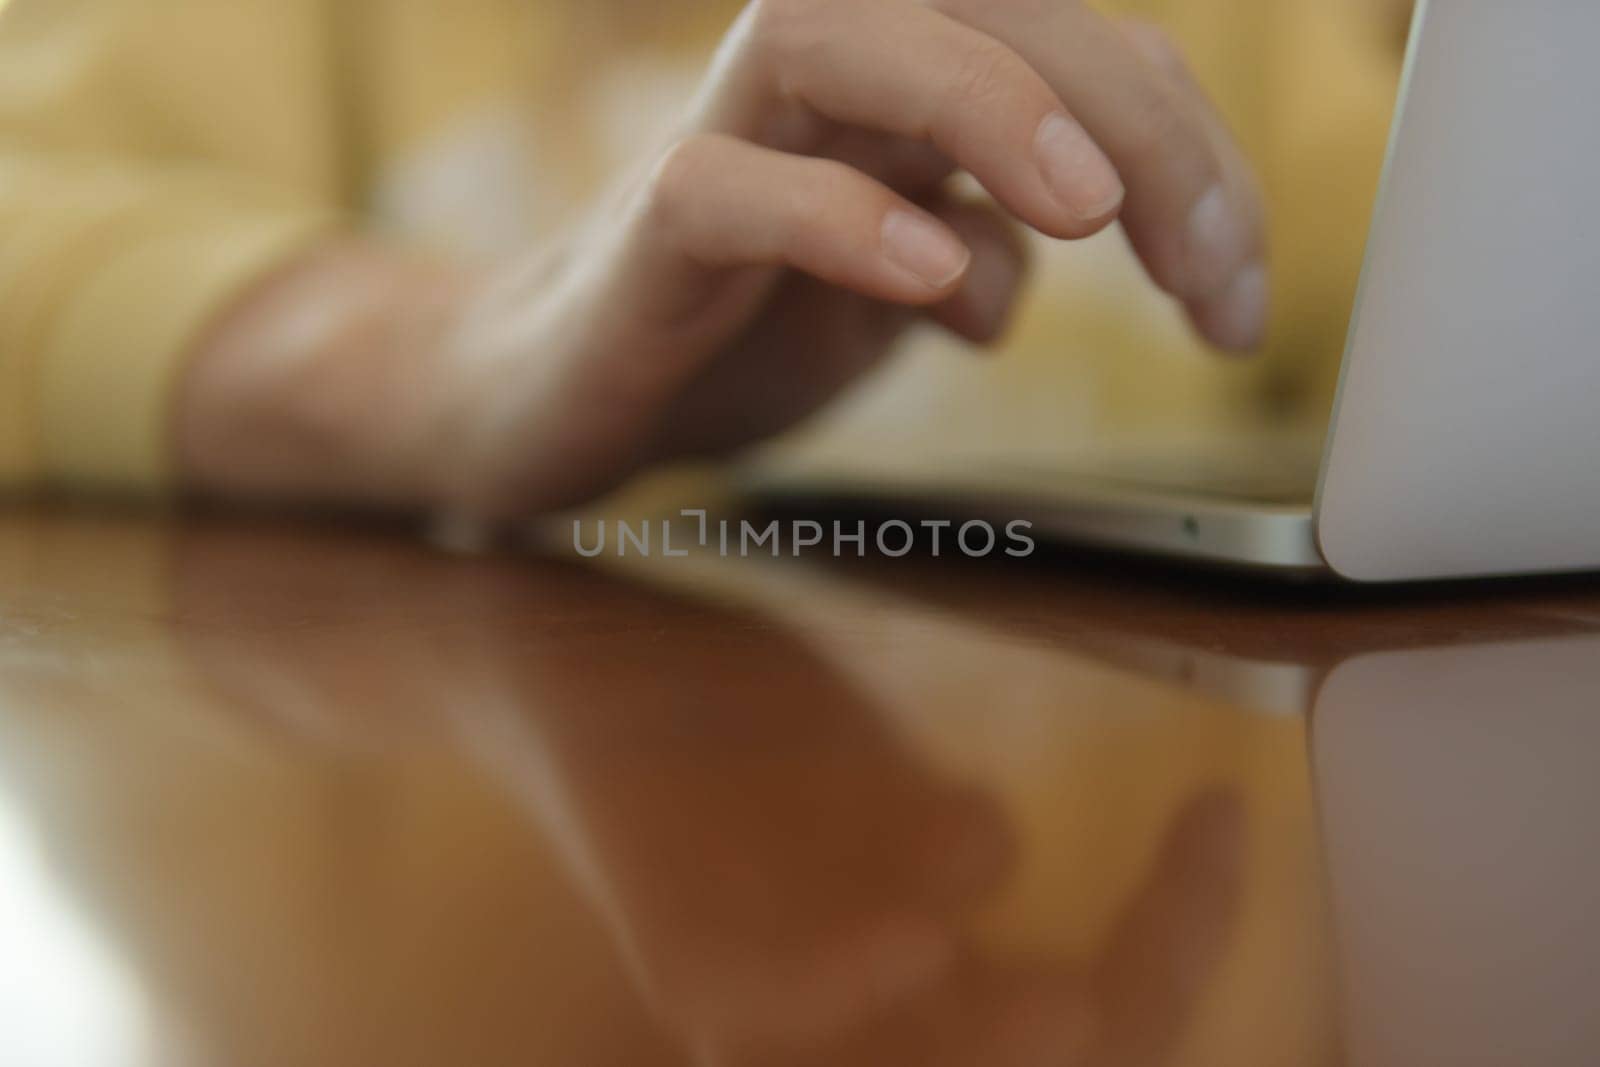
(1466, 437)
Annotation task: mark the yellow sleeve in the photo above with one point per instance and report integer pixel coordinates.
(138, 194)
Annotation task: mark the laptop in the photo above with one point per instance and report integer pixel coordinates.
(1465, 438)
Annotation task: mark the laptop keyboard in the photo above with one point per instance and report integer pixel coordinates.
(1287, 478)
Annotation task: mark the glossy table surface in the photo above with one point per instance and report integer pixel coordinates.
(309, 794)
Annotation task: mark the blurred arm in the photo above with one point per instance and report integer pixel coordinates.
(143, 184)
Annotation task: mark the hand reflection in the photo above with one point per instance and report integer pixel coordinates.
(788, 881)
(1127, 1008)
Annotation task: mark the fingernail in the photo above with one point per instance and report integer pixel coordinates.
(1237, 319)
(924, 248)
(1078, 173)
(1217, 239)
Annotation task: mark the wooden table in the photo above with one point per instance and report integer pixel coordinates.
(308, 794)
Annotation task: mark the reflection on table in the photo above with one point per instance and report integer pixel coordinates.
(276, 793)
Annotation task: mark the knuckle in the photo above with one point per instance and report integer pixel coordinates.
(833, 183)
(679, 173)
(824, 193)
(831, 174)
(1026, 11)
(988, 72)
(824, 202)
(783, 26)
(786, 36)
(1156, 45)
(1164, 133)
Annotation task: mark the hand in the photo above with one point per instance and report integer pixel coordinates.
(767, 259)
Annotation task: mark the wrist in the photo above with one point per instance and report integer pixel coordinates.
(324, 382)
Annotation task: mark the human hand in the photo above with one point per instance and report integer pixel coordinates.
(800, 222)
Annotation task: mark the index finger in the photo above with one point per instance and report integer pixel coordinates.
(898, 67)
